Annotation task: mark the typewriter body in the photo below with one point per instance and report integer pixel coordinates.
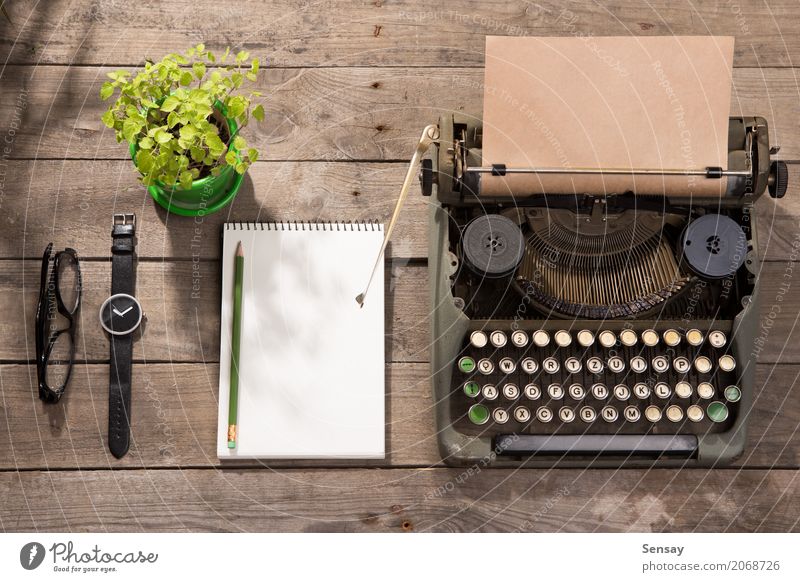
(598, 329)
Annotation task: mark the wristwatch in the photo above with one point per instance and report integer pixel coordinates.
(120, 315)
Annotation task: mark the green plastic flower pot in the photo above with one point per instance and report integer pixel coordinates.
(207, 194)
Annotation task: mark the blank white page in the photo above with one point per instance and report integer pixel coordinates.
(311, 383)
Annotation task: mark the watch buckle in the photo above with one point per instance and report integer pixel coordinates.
(124, 219)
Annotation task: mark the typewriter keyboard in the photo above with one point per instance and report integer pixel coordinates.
(563, 381)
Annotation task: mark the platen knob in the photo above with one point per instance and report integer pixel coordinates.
(426, 176)
(778, 179)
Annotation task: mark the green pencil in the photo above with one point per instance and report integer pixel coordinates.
(233, 401)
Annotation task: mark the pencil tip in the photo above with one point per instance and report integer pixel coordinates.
(239, 250)
(360, 299)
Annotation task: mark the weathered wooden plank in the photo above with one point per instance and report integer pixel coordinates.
(318, 114)
(403, 33)
(401, 500)
(175, 420)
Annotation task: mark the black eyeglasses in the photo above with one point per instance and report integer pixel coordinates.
(59, 294)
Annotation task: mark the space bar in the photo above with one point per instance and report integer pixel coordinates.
(651, 445)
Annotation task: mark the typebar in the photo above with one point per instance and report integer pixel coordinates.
(682, 445)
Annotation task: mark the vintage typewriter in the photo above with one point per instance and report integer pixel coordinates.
(593, 329)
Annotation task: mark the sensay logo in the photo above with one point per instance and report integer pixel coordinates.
(31, 555)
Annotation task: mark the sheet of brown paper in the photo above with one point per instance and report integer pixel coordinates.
(607, 102)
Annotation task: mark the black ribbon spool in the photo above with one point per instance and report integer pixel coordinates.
(714, 245)
(492, 246)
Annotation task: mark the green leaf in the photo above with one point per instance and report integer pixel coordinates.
(254, 65)
(231, 159)
(108, 118)
(162, 136)
(242, 56)
(199, 70)
(239, 142)
(188, 132)
(258, 112)
(197, 153)
(241, 168)
(170, 103)
(131, 127)
(252, 154)
(200, 47)
(251, 76)
(144, 161)
(186, 78)
(146, 143)
(186, 180)
(106, 91)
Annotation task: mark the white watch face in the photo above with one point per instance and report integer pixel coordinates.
(121, 314)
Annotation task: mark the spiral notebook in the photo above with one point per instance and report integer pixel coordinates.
(311, 382)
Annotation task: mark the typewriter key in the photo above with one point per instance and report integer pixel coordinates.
(717, 412)
(683, 390)
(519, 338)
(472, 389)
(616, 364)
(532, 392)
(572, 365)
(681, 365)
(695, 413)
(577, 392)
(641, 390)
(705, 390)
(556, 391)
(674, 413)
(702, 364)
(507, 365)
(478, 339)
(490, 392)
(638, 364)
(660, 364)
(541, 338)
(727, 363)
(485, 366)
(522, 414)
(478, 414)
(628, 337)
(694, 337)
(650, 338)
(594, 365)
(662, 390)
(652, 413)
(588, 414)
(607, 339)
(500, 416)
(551, 365)
(466, 364)
(529, 366)
(717, 339)
(563, 338)
(632, 414)
(544, 414)
(622, 392)
(600, 391)
(585, 338)
(566, 414)
(672, 338)
(511, 391)
(733, 394)
(609, 413)
(498, 338)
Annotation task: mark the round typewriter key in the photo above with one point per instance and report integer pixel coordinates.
(683, 390)
(532, 392)
(519, 338)
(717, 412)
(671, 337)
(466, 365)
(632, 414)
(694, 337)
(585, 338)
(541, 338)
(727, 363)
(638, 364)
(628, 337)
(662, 390)
(695, 413)
(622, 392)
(566, 414)
(705, 390)
(641, 390)
(594, 365)
(717, 339)
(478, 414)
(600, 391)
(702, 364)
(529, 366)
(556, 391)
(576, 392)
(498, 339)
(551, 365)
(609, 413)
(650, 338)
(489, 392)
(588, 414)
(478, 339)
(544, 414)
(472, 389)
(507, 365)
(572, 365)
(485, 366)
(681, 365)
(563, 338)
(522, 414)
(674, 413)
(616, 364)
(660, 364)
(733, 394)
(511, 391)
(500, 416)
(652, 413)
(607, 339)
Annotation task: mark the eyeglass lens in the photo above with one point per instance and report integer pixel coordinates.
(69, 281)
(59, 361)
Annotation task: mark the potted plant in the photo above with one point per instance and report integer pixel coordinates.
(181, 118)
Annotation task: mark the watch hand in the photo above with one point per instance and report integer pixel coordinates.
(121, 314)
(114, 309)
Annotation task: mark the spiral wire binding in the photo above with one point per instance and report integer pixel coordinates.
(352, 225)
